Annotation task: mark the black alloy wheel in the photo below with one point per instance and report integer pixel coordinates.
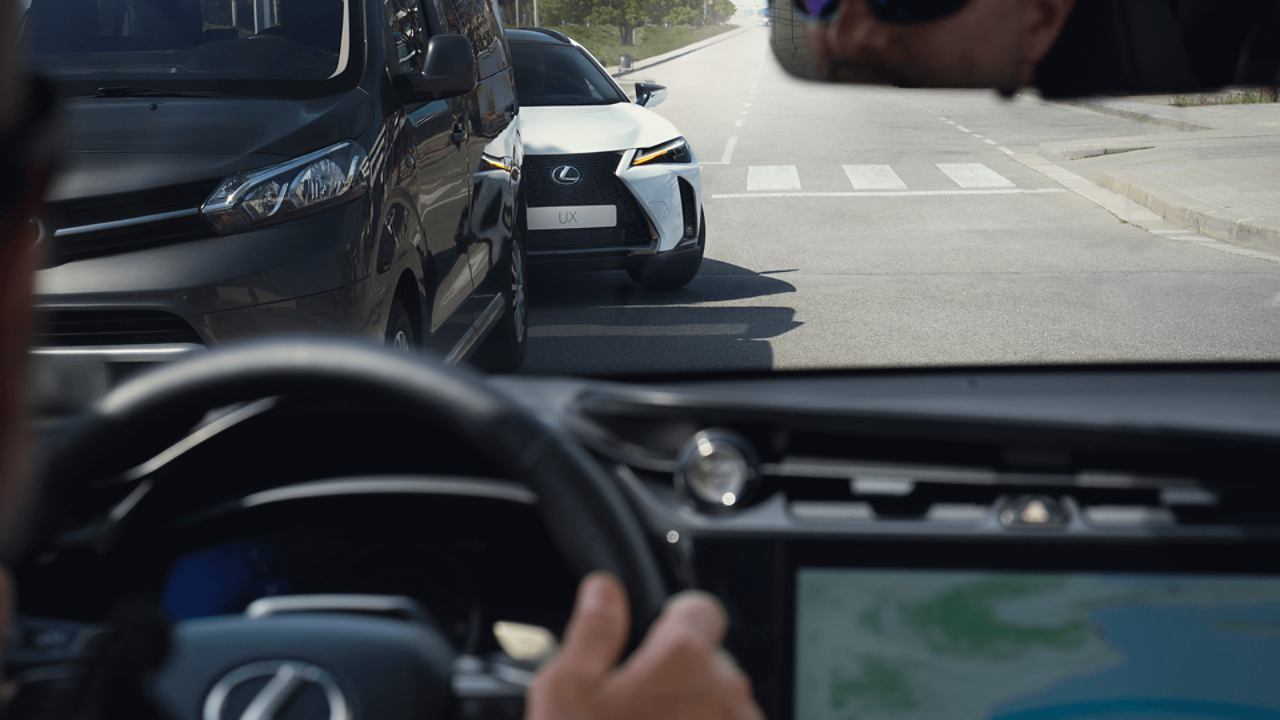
(675, 272)
(503, 350)
(400, 335)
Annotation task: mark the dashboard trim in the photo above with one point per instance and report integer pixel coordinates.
(457, 486)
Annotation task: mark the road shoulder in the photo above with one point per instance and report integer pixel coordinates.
(1218, 181)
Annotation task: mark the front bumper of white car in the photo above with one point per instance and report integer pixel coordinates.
(657, 209)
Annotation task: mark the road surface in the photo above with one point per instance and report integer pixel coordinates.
(877, 227)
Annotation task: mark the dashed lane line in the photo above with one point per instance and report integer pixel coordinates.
(728, 149)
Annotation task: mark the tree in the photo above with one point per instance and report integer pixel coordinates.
(719, 11)
(626, 15)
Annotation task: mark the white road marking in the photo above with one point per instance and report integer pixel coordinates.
(962, 128)
(887, 193)
(874, 177)
(744, 112)
(1005, 150)
(977, 136)
(737, 123)
(728, 149)
(989, 141)
(700, 330)
(772, 177)
(974, 175)
(1175, 232)
(747, 105)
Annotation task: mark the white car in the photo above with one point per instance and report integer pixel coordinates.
(608, 184)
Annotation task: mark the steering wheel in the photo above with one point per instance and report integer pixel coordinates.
(360, 666)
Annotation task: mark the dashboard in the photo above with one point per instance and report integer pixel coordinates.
(1030, 544)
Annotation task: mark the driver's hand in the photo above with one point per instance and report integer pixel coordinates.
(679, 671)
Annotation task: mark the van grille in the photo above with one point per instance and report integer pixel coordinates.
(126, 206)
(73, 328)
(599, 186)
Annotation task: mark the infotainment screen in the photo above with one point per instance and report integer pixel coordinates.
(941, 645)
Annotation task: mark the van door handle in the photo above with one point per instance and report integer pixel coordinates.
(459, 134)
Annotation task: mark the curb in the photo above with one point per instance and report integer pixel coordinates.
(1249, 231)
(678, 52)
(1133, 111)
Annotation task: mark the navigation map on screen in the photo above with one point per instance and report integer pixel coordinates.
(917, 645)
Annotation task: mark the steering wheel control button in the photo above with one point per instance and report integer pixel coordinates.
(717, 470)
(276, 690)
(1033, 512)
(526, 643)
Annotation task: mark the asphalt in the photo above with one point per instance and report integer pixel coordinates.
(950, 240)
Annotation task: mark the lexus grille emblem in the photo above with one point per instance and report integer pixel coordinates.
(286, 680)
(566, 175)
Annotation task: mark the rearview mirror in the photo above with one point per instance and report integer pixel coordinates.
(449, 70)
(1065, 48)
(650, 95)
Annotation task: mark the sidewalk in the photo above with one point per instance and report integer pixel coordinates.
(1220, 176)
(678, 52)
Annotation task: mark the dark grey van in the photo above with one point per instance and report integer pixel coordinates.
(235, 168)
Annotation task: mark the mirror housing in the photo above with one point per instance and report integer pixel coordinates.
(650, 95)
(449, 70)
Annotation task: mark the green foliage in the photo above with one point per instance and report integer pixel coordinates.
(626, 15)
(651, 40)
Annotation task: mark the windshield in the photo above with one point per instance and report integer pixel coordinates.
(229, 46)
(689, 196)
(559, 75)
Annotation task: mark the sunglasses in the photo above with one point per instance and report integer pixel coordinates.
(898, 12)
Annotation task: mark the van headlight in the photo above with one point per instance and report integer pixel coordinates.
(672, 151)
(310, 183)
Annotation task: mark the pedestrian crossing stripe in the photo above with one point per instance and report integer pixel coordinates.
(874, 177)
(764, 178)
(974, 175)
(780, 178)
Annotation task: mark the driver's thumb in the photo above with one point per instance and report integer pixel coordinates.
(597, 631)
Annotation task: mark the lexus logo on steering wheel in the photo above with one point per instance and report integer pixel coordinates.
(566, 175)
(286, 681)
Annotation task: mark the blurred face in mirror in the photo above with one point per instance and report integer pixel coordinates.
(975, 43)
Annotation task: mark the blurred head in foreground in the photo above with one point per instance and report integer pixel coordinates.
(932, 43)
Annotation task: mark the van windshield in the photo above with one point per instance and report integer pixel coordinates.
(225, 46)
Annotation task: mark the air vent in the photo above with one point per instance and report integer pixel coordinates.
(71, 328)
(689, 208)
(915, 472)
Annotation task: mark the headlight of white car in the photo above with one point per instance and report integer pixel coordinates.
(310, 183)
(672, 151)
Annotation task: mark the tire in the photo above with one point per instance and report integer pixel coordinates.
(400, 335)
(504, 348)
(677, 271)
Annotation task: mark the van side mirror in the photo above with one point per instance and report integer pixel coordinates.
(650, 95)
(448, 71)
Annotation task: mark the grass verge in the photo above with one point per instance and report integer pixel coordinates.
(606, 45)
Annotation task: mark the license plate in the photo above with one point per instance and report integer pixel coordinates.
(572, 217)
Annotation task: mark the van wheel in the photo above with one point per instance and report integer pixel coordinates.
(674, 273)
(503, 350)
(400, 328)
